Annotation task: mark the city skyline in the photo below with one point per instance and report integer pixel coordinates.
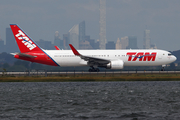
(40, 19)
(75, 36)
(79, 39)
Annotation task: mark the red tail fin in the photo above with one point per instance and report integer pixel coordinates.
(25, 43)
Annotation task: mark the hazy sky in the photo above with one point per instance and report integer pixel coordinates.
(41, 18)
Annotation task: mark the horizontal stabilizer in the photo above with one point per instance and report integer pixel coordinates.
(23, 55)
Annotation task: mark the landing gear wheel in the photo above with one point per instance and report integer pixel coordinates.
(93, 70)
(162, 69)
(90, 70)
(97, 70)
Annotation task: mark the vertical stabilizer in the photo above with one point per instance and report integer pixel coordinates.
(25, 43)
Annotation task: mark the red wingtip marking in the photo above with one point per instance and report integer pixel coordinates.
(74, 50)
(57, 48)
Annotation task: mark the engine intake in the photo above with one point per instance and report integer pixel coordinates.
(116, 64)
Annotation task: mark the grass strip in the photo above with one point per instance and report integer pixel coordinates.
(88, 78)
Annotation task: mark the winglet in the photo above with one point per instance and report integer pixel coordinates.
(74, 50)
(57, 48)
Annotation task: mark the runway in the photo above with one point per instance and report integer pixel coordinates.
(47, 73)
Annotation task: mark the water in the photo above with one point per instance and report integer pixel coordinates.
(90, 100)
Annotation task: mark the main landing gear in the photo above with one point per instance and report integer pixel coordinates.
(92, 69)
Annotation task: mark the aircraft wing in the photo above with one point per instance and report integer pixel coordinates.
(91, 60)
(23, 55)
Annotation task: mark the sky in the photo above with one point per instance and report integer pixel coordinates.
(41, 18)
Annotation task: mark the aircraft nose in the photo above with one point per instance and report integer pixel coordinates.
(174, 58)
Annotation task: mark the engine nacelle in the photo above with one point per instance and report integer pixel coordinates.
(116, 64)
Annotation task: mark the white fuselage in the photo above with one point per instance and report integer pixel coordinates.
(136, 57)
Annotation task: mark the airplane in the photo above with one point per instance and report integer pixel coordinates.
(109, 59)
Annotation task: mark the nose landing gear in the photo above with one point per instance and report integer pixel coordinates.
(163, 68)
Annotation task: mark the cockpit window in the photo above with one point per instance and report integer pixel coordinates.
(169, 54)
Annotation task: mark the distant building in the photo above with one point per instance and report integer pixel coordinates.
(132, 42)
(45, 44)
(66, 41)
(153, 46)
(85, 45)
(77, 37)
(110, 45)
(124, 42)
(11, 45)
(73, 36)
(1, 45)
(102, 24)
(82, 32)
(57, 41)
(91, 41)
(96, 45)
(147, 40)
(118, 44)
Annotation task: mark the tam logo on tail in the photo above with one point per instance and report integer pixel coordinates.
(25, 40)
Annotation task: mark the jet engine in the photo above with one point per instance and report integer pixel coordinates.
(115, 64)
